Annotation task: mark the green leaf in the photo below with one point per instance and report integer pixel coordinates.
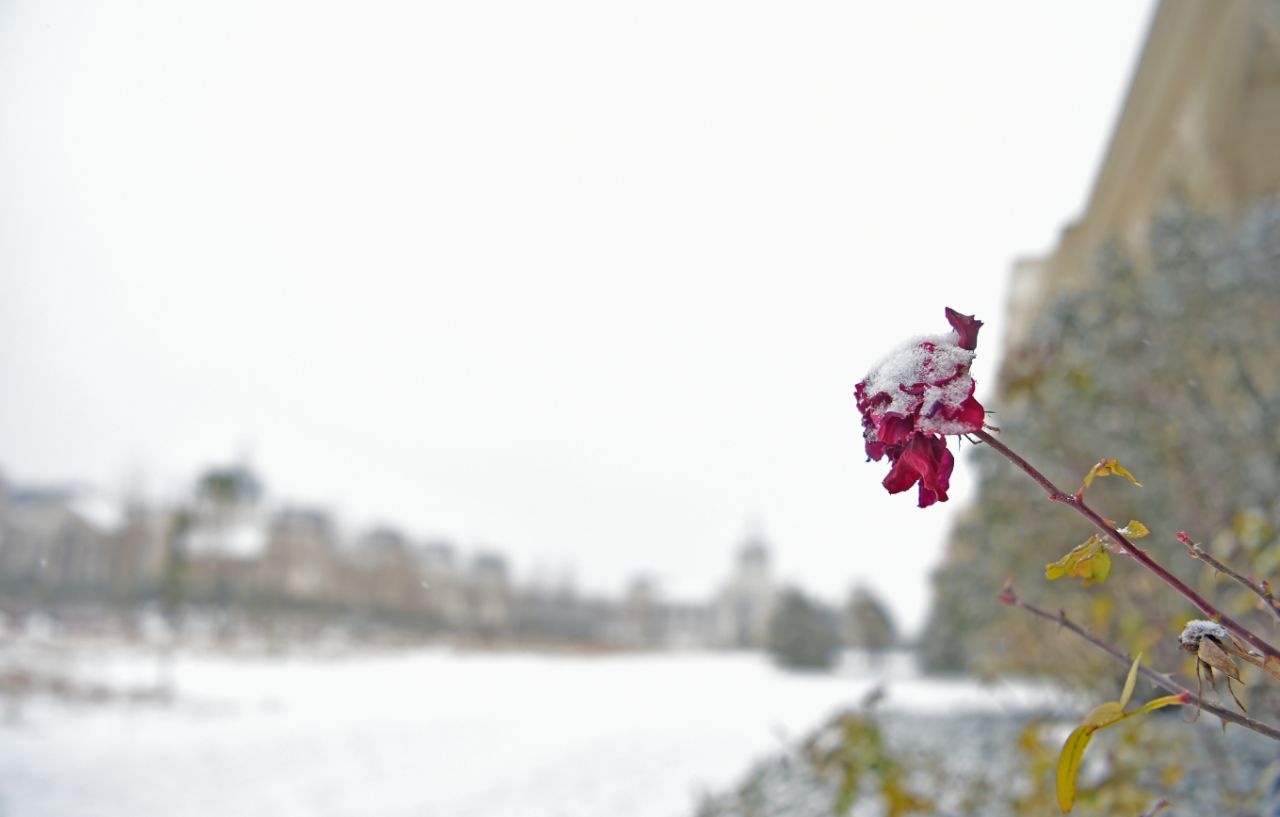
(1069, 765)
(1130, 682)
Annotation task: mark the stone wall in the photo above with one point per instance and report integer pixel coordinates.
(1201, 122)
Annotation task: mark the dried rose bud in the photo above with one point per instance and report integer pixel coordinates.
(1199, 629)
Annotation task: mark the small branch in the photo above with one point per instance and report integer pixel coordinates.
(1261, 589)
(1055, 493)
(1165, 682)
(1058, 495)
(1260, 663)
(1156, 809)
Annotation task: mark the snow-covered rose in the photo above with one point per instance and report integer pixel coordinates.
(916, 396)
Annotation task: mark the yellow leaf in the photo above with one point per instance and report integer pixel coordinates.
(1159, 703)
(1088, 561)
(1104, 714)
(1088, 478)
(1134, 530)
(1120, 471)
(1108, 467)
(1130, 682)
(1101, 568)
(1069, 765)
(1149, 706)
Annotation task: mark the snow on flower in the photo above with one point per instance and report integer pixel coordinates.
(916, 396)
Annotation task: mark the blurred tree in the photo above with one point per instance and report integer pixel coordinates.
(867, 622)
(173, 570)
(802, 632)
(228, 487)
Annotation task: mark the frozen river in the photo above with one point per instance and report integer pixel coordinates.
(431, 733)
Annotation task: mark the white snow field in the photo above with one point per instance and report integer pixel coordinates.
(432, 733)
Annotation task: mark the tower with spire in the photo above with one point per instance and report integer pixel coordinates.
(746, 601)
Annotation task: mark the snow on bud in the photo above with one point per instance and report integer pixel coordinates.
(1200, 628)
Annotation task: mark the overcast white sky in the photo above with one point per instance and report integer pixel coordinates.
(589, 282)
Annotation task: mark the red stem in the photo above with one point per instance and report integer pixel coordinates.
(1057, 495)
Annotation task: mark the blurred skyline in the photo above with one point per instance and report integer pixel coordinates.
(588, 284)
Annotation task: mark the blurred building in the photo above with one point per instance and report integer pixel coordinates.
(558, 614)
(139, 553)
(444, 585)
(746, 601)
(642, 620)
(489, 596)
(224, 562)
(388, 581)
(298, 562)
(688, 626)
(1201, 122)
(56, 544)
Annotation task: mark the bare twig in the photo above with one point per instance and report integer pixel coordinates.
(1165, 682)
(1058, 495)
(1261, 589)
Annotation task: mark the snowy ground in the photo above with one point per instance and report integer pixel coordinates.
(431, 733)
